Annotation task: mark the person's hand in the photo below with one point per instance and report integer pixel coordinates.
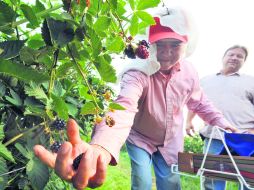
(232, 129)
(93, 165)
(251, 131)
(190, 130)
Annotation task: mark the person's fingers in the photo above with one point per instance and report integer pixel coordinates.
(101, 171)
(45, 156)
(64, 160)
(85, 170)
(73, 132)
(188, 131)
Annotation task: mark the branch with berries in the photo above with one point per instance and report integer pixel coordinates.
(140, 50)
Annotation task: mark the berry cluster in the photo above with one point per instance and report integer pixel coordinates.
(76, 161)
(58, 124)
(55, 146)
(129, 52)
(141, 50)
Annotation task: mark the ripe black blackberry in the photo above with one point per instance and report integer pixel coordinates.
(58, 124)
(55, 146)
(129, 52)
(76, 161)
(144, 43)
(142, 52)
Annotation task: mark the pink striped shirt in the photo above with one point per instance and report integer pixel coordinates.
(153, 119)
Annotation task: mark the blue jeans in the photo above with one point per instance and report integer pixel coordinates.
(215, 184)
(141, 175)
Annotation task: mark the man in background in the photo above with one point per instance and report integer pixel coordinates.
(233, 94)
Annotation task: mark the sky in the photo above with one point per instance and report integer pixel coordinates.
(220, 24)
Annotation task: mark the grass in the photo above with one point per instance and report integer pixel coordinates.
(119, 178)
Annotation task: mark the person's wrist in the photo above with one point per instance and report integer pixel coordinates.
(102, 150)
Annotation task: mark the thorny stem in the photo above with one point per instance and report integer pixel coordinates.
(13, 171)
(83, 76)
(52, 73)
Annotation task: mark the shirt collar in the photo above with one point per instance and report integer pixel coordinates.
(232, 74)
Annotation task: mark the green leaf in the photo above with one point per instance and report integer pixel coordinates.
(58, 89)
(72, 110)
(29, 14)
(38, 173)
(96, 44)
(102, 24)
(15, 2)
(11, 48)
(60, 107)
(26, 153)
(29, 55)
(146, 17)
(37, 92)
(107, 71)
(145, 4)
(2, 89)
(35, 41)
(16, 100)
(88, 108)
(3, 170)
(38, 7)
(115, 45)
(1, 132)
(22, 72)
(7, 15)
(60, 31)
(121, 8)
(116, 106)
(5, 153)
(114, 4)
(132, 4)
(134, 25)
(33, 107)
(63, 69)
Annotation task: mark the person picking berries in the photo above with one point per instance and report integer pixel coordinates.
(154, 93)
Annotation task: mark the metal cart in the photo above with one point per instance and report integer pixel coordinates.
(186, 165)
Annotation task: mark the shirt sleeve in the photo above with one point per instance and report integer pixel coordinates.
(204, 108)
(112, 138)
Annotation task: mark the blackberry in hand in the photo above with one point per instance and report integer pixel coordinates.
(55, 146)
(58, 124)
(129, 52)
(76, 161)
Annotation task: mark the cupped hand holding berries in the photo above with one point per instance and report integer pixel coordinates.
(91, 171)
